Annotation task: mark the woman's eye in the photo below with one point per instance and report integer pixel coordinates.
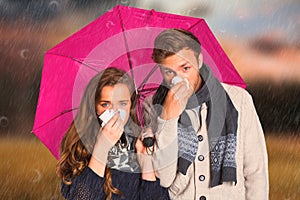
(104, 105)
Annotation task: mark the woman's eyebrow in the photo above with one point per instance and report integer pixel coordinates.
(104, 101)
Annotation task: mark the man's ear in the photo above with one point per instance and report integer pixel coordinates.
(200, 60)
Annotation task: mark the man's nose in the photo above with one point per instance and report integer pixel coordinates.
(180, 74)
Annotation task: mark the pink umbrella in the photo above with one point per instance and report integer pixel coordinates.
(122, 37)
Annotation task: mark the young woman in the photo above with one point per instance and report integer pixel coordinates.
(102, 160)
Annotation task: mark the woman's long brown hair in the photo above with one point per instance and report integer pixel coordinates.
(79, 140)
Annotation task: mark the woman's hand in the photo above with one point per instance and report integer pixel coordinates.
(106, 139)
(113, 130)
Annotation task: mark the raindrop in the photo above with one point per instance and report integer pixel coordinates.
(188, 25)
(109, 24)
(4, 121)
(38, 176)
(125, 2)
(53, 5)
(24, 53)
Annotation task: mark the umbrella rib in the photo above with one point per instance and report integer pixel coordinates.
(127, 50)
(147, 77)
(55, 117)
(148, 90)
(194, 25)
(88, 66)
(77, 60)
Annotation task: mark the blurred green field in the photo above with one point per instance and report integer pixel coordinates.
(27, 169)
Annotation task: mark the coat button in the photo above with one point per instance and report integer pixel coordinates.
(201, 158)
(200, 138)
(201, 177)
(202, 198)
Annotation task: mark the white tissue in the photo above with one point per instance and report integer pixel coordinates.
(108, 114)
(178, 79)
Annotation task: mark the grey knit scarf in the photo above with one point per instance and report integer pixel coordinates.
(122, 155)
(221, 121)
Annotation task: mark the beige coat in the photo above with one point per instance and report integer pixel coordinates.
(251, 157)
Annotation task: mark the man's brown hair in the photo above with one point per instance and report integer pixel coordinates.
(171, 41)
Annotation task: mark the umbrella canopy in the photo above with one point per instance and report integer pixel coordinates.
(122, 37)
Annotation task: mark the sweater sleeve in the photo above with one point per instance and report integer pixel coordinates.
(151, 190)
(166, 151)
(255, 153)
(87, 186)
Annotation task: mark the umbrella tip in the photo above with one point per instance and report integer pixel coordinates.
(152, 11)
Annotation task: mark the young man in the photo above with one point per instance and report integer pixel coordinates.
(210, 144)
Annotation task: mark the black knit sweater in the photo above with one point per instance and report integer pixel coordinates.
(89, 186)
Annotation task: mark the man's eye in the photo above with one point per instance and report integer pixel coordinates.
(169, 72)
(186, 68)
(123, 103)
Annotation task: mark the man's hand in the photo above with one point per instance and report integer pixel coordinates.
(176, 101)
(145, 160)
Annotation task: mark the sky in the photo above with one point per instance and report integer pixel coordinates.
(242, 19)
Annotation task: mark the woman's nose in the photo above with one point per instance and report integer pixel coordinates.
(114, 107)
